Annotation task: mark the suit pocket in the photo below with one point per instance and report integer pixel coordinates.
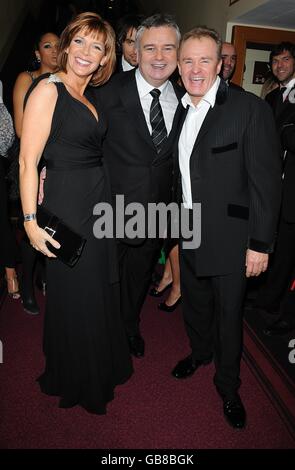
(237, 211)
(225, 148)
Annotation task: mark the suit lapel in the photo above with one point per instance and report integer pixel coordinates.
(131, 103)
(286, 113)
(176, 125)
(213, 114)
(271, 99)
(179, 91)
(208, 123)
(281, 110)
(182, 116)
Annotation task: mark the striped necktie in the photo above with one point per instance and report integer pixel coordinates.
(159, 131)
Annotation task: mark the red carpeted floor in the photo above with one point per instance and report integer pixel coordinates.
(153, 410)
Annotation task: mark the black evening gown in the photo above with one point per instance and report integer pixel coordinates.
(84, 340)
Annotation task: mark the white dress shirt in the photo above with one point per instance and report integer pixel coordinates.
(289, 86)
(168, 100)
(190, 130)
(125, 65)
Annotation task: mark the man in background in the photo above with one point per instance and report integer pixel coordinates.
(282, 102)
(229, 60)
(125, 32)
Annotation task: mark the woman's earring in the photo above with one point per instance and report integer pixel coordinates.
(38, 60)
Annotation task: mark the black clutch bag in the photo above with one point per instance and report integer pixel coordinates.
(71, 242)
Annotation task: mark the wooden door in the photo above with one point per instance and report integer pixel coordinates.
(243, 34)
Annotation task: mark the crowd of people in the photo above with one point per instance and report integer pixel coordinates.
(163, 123)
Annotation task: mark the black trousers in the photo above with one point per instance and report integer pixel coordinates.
(281, 268)
(8, 247)
(136, 265)
(213, 316)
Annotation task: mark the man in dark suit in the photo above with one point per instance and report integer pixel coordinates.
(282, 101)
(138, 153)
(228, 157)
(125, 33)
(229, 60)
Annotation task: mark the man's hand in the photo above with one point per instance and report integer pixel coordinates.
(41, 185)
(256, 263)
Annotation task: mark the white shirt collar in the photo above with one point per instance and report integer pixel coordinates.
(210, 96)
(290, 84)
(125, 65)
(144, 88)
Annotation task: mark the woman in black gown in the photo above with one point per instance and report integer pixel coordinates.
(84, 341)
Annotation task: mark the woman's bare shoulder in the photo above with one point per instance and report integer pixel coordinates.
(45, 89)
(23, 81)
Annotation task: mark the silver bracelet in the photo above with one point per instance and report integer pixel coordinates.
(28, 217)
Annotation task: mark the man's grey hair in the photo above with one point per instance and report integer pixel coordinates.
(156, 21)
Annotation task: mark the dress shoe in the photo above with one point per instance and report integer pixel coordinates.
(234, 412)
(136, 345)
(30, 305)
(186, 367)
(280, 328)
(28, 297)
(260, 309)
(154, 292)
(67, 403)
(169, 308)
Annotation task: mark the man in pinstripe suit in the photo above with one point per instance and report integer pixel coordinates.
(228, 161)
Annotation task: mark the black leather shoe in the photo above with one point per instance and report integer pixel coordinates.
(136, 345)
(186, 367)
(66, 403)
(30, 305)
(28, 297)
(154, 292)
(234, 412)
(280, 328)
(262, 310)
(169, 308)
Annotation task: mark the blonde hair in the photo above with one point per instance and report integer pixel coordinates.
(93, 24)
(203, 32)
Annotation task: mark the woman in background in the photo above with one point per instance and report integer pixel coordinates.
(7, 244)
(170, 278)
(270, 84)
(45, 52)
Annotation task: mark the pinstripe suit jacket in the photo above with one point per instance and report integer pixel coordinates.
(235, 174)
(285, 122)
